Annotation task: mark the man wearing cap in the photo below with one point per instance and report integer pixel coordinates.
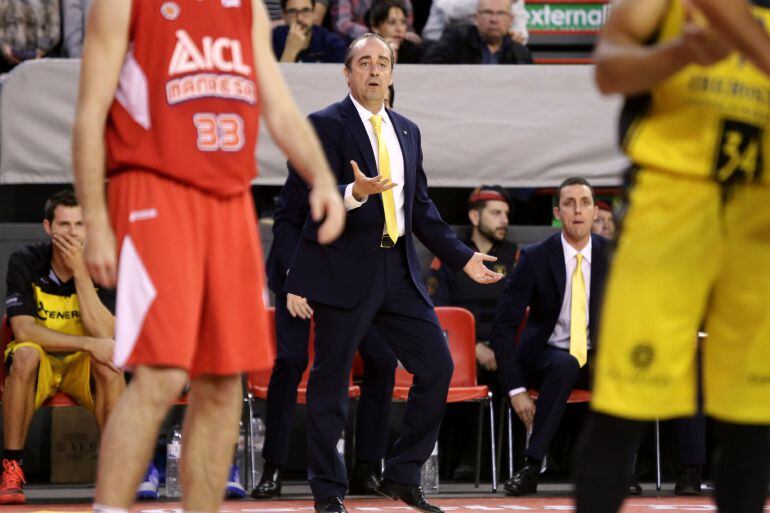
(489, 209)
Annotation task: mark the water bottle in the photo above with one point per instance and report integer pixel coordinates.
(173, 453)
(429, 473)
(258, 443)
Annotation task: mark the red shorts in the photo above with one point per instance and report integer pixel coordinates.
(191, 288)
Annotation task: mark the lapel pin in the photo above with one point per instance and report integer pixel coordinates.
(404, 132)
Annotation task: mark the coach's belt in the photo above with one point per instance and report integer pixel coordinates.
(386, 242)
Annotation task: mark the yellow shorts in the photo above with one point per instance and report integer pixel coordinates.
(70, 374)
(686, 256)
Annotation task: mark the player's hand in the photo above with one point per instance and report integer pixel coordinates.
(101, 255)
(102, 351)
(365, 186)
(524, 407)
(326, 203)
(486, 357)
(478, 272)
(71, 250)
(298, 306)
(699, 44)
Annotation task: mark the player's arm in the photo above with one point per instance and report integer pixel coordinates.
(104, 50)
(626, 64)
(97, 319)
(734, 21)
(293, 133)
(25, 329)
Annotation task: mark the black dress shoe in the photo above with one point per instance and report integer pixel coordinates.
(410, 494)
(269, 485)
(330, 505)
(523, 482)
(634, 488)
(689, 481)
(364, 478)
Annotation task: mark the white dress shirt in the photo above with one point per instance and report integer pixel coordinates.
(396, 162)
(561, 332)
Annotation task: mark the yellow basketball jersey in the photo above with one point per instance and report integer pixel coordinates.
(703, 121)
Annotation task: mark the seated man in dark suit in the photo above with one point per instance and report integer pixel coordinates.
(487, 41)
(301, 41)
(560, 279)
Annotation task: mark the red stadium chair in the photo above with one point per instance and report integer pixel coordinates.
(460, 330)
(6, 336)
(257, 384)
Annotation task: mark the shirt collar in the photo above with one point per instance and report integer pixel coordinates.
(570, 252)
(365, 114)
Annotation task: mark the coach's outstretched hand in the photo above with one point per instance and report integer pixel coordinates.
(478, 272)
(100, 254)
(326, 204)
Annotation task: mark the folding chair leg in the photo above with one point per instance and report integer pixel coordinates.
(492, 448)
(510, 442)
(252, 474)
(479, 428)
(658, 483)
(499, 453)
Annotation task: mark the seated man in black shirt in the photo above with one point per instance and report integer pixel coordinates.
(488, 211)
(63, 328)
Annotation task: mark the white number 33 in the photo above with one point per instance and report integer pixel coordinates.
(219, 132)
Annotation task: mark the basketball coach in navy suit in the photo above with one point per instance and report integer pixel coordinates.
(560, 279)
(371, 275)
(292, 327)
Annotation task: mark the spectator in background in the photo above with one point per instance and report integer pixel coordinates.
(560, 279)
(63, 329)
(299, 40)
(349, 18)
(604, 224)
(488, 211)
(29, 29)
(485, 42)
(274, 12)
(460, 12)
(388, 19)
(74, 14)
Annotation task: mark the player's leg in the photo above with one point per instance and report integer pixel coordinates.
(209, 434)
(132, 428)
(108, 386)
(737, 354)
(232, 339)
(160, 291)
(19, 395)
(657, 291)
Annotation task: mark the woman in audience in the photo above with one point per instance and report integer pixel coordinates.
(388, 18)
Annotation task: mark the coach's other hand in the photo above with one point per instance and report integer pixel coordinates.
(479, 272)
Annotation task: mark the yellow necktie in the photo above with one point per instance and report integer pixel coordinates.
(388, 203)
(578, 335)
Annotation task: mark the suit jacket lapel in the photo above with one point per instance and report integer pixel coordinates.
(353, 121)
(556, 260)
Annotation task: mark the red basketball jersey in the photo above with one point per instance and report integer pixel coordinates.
(186, 105)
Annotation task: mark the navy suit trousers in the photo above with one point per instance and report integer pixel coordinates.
(291, 360)
(410, 326)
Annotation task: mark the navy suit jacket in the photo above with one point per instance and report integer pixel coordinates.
(290, 214)
(340, 274)
(539, 281)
